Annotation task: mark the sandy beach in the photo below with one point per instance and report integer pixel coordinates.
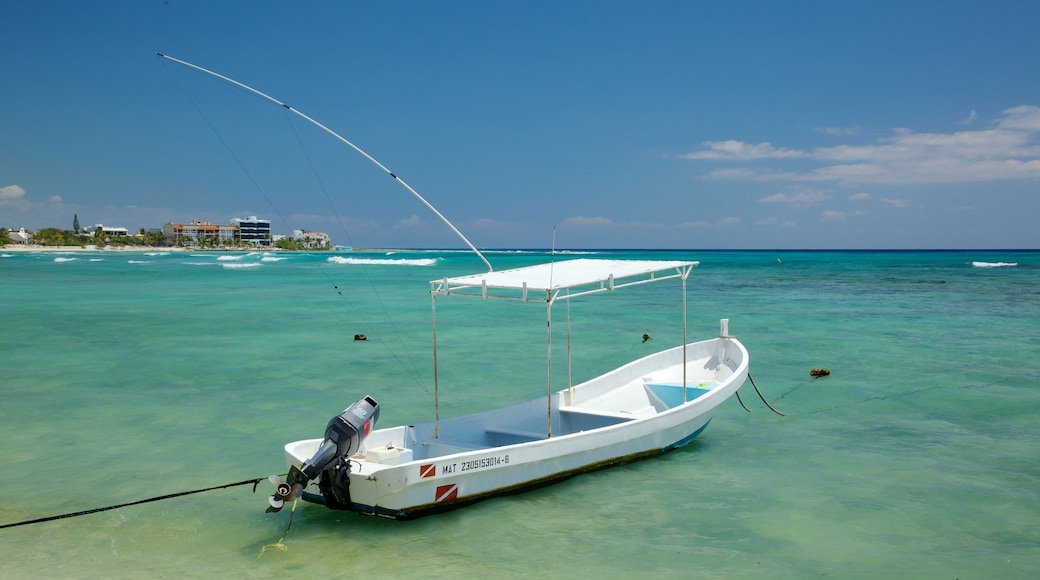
(32, 248)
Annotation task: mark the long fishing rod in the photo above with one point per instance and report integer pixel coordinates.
(341, 138)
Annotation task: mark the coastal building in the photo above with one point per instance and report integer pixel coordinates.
(253, 230)
(200, 233)
(312, 240)
(19, 237)
(103, 230)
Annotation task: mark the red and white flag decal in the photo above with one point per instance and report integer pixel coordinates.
(448, 492)
(427, 470)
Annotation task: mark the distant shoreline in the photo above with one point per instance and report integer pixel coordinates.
(25, 248)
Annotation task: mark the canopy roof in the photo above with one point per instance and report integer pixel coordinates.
(578, 277)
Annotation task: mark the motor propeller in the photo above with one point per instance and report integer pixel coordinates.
(343, 436)
(284, 491)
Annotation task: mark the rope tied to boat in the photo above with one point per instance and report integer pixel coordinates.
(741, 401)
(255, 481)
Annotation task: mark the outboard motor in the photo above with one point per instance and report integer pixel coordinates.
(343, 437)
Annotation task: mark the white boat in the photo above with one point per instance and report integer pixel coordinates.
(644, 408)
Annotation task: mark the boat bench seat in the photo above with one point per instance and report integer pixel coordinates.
(575, 419)
(648, 411)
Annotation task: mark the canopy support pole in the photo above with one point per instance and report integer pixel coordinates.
(436, 382)
(684, 274)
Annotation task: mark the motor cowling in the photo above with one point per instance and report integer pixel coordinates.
(343, 436)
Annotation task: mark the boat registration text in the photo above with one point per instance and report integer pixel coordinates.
(473, 464)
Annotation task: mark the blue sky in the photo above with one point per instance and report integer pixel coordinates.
(605, 124)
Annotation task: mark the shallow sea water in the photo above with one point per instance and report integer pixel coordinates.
(128, 376)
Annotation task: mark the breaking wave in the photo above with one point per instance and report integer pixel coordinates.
(383, 262)
(994, 264)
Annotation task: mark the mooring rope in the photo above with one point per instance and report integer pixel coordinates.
(741, 401)
(759, 396)
(253, 481)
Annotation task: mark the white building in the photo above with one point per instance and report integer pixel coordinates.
(312, 240)
(106, 230)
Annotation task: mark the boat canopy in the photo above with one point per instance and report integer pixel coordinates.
(547, 283)
(576, 277)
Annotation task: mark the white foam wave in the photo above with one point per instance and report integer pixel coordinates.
(994, 264)
(381, 262)
(97, 259)
(272, 259)
(242, 266)
(60, 259)
(227, 258)
(136, 261)
(6, 255)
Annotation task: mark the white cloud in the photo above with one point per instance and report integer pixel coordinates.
(889, 202)
(13, 196)
(409, 222)
(487, 223)
(1024, 117)
(798, 197)
(588, 221)
(696, 224)
(971, 118)
(1008, 150)
(839, 131)
(742, 151)
(861, 196)
(9, 192)
(829, 215)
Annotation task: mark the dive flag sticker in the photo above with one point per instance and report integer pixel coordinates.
(427, 470)
(447, 493)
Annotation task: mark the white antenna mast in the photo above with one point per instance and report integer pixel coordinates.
(341, 138)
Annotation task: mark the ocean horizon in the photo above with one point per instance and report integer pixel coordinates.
(129, 375)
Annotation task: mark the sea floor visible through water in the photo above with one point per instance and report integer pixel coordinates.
(129, 376)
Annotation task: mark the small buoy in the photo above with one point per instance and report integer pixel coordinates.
(646, 337)
(819, 372)
(360, 337)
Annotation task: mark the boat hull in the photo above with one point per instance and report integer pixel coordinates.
(634, 412)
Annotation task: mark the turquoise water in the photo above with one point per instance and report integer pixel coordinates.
(129, 375)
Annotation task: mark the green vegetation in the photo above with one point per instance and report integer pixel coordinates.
(56, 237)
(288, 244)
